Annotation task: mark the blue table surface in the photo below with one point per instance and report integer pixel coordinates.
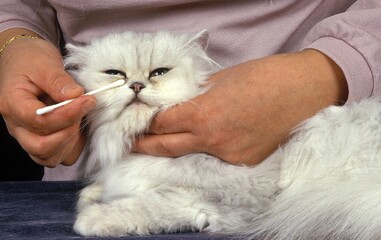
(46, 210)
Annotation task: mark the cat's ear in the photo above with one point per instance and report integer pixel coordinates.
(201, 38)
(71, 48)
(74, 56)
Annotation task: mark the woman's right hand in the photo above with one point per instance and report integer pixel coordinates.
(32, 76)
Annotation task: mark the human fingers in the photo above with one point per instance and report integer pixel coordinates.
(252, 109)
(60, 118)
(25, 85)
(167, 145)
(21, 103)
(178, 119)
(60, 147)
(54, 137)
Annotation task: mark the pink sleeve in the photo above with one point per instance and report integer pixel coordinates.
(353, 40)
(35, 15)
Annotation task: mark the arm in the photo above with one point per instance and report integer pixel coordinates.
(32, 75)
(250, 112)
(353, 40)
(250, 109)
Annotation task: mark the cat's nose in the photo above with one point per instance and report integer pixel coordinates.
(137, 87)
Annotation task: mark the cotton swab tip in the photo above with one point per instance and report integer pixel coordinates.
(42, 111)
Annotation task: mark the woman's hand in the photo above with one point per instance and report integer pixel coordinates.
(32, 75)
(250, 109)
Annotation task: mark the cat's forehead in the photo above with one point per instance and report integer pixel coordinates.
(142, 49)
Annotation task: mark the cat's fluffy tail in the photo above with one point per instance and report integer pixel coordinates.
(347, 210)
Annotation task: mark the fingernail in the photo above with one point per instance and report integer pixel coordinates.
(88, 105)
(68, 88)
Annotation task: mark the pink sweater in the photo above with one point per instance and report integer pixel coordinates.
(347, 31)
(240, 30)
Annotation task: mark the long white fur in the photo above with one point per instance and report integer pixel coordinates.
(323, 184)
(330, 181)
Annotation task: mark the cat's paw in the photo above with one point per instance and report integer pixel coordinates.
(91, 222)
(89, 195)
(104, 221)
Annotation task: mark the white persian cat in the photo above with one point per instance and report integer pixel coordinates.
(325, 183)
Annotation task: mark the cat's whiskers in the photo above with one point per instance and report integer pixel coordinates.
(84, 123)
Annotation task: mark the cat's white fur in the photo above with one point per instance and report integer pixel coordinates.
(323, 184)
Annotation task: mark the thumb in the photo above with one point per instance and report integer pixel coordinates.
(167, 145)
(60, 86)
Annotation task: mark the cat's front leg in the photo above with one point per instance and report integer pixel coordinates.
(89, 195)
(166, 210)
(109, 220)
(153, 211)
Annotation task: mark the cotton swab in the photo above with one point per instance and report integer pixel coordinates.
(47, 109)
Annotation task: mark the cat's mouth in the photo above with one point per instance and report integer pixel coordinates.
(136, 101)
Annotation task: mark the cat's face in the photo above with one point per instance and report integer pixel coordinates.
(160, 70)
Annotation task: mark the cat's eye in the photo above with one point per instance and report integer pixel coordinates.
(158, 72)
(115, 72)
